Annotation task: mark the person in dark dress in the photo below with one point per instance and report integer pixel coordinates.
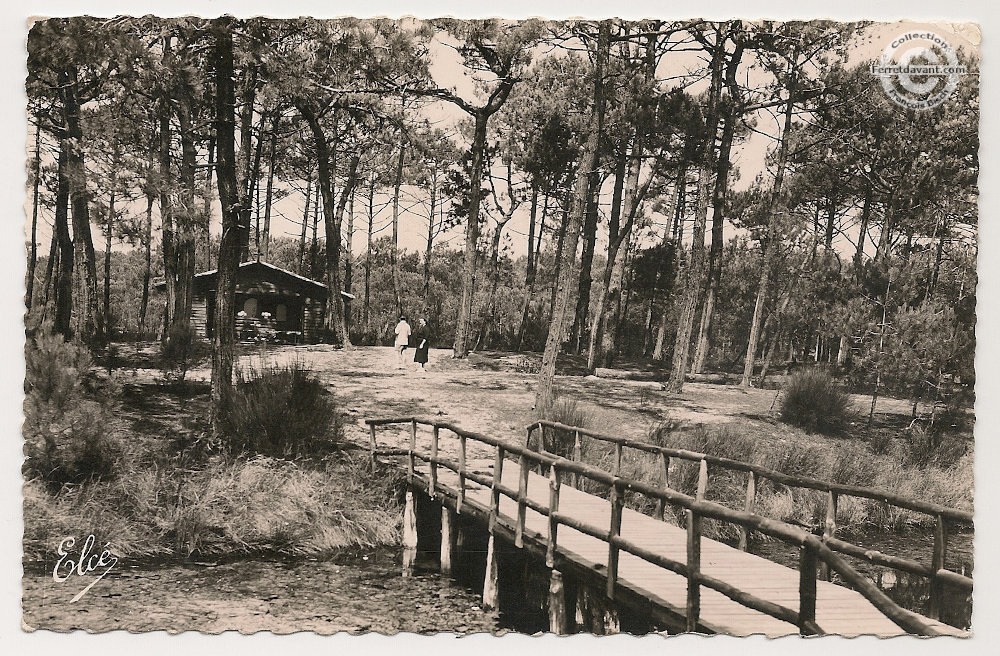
(422, 341)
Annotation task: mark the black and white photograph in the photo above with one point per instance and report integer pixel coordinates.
(347, 324)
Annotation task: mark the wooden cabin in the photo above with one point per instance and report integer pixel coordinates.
(271, 303)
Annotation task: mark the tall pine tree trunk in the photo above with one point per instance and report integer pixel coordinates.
(694, 279)
(545, 393)
(349, 246)
(107, 260)
(266, 238)
(33, 249)
(185, 221)
(232, 195)
(532, 265)
(430, 242)
(586, 283)
(703, 343)
(314, 242)
(84, 257)
(612, 313)
(167, 240)
(147, 245)
(773, 242)
(471, 256)
(559, 255)
(64, 272)
(305, 226)
(394, 247)
(332, 217)
(366, 316)
(673, 268)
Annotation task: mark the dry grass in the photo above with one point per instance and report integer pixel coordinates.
(841, 461)
(257, 506)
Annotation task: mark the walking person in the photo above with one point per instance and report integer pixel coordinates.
(403, 332)
(422, 339)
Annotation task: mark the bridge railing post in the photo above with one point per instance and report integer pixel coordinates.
(660, 503)
(748, 506)
(554, 487)
(702, 479)
(432, 479)
(617, 471)
(461, 474)
(495, 490)
(614, 531)
(693, 608)
(807, 589)
(829, 529)
(937, 564)
(577, 457)
(522, 496)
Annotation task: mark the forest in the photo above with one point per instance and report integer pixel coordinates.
(719, 196)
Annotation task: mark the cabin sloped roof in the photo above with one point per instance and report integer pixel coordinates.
(264, 271)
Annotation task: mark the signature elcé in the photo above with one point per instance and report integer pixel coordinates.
(83, 565)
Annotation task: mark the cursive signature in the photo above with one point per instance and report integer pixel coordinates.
(88, 561)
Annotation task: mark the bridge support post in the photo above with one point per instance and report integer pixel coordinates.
(490, 582)
(595, 612)
(558, 618)
(409, 534)
(448, 540)
(938, 564)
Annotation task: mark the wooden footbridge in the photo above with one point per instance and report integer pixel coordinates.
(601, 554)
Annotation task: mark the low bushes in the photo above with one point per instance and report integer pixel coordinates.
(181, 351)
(836, 461)
(568, 412)
(258, 506)
(814, 401)
(66, 414)
(280, 412)
(265, 488)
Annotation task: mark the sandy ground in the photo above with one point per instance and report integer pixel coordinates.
(490, 393)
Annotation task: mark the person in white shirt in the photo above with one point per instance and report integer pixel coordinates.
(403, 332)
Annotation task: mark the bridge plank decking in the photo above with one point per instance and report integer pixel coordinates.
(839, 610)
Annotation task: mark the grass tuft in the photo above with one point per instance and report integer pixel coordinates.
(282, 412)
(814, 401)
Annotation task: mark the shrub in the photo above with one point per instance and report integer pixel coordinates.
(880, 442)
(280, 412)
(927, 445)
(568, 412)
(181, 351)
(815, 402)
(66, 414)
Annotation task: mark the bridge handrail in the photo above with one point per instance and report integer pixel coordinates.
(812, 549)
(935, 572)
(790, 480)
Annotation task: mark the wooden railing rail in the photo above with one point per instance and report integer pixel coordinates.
(813, 550)
(941, 514)
(951, 514)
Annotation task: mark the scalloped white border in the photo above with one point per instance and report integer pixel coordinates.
(13, 132)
